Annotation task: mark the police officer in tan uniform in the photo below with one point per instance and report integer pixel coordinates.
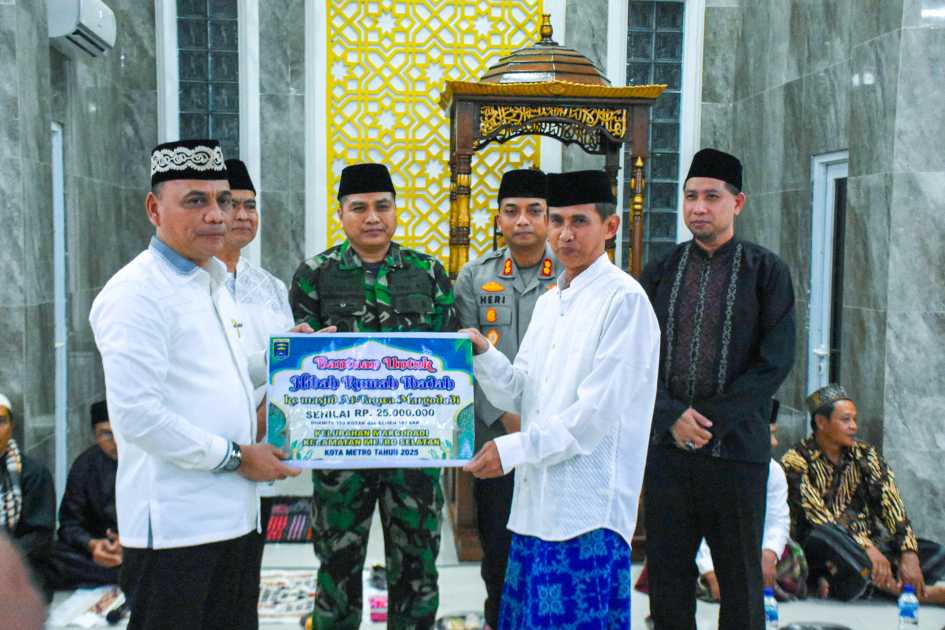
(496, 294)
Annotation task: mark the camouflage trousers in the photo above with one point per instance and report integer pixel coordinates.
(411, 501)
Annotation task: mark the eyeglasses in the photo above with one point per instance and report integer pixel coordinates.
(104, 435)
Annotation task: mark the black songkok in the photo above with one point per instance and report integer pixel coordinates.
(523, 182)
(187, 159)
(365, 178)
(717, 165)
(579, 187)
(239, 176)
(98, 412)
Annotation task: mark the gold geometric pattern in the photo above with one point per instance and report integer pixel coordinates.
(388, 61)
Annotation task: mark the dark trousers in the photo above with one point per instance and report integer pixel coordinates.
(493, 506)
(850, 569)
(75, 569)
(215, 585)
(690, 496)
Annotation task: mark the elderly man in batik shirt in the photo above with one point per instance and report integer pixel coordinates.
(847, 513)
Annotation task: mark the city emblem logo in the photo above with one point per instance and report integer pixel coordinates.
(280, 348)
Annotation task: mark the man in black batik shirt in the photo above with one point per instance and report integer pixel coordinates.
(726, 313)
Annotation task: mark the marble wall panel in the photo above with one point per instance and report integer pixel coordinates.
(771, 140)
(863, 368)
(793, 391)
(40, 361)
(748, 124)
(919, 478)
(874, 88)
(283, 148)
(797, 141)
(795, 238)
(920, 133)
(923, 13)
(12, 349)
(40, 443)
(32, 42)
(792, 428)
(9, 101)
(760, 220)
(780, 66)
(586, 30)
(12, 236)
(719, 53)
(284, 234)
(295, 39)
(723, 3)
(137, 111)
(914, 368)
(866, 241)
(274, 30)
(872, 18)
(819, 33)
(37, 232)
(827, 108)
(716, 126)
(916, 255)
(751, 75)
(132, 59)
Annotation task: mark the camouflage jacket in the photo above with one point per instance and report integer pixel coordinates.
(408, 292)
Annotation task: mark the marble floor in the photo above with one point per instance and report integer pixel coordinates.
(461, 590)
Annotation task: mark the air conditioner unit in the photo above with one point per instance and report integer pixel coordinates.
(81, 29)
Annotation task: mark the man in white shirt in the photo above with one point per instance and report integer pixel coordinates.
(262, 299)
(180, 393)
(584, 383)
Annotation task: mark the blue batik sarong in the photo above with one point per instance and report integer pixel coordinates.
(580, 584)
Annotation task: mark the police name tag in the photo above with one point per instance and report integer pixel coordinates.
(372, 400)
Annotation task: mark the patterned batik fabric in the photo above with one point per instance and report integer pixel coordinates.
(580, 584)
(11, 495)
(858, 494)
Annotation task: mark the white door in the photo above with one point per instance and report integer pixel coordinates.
(829, 173)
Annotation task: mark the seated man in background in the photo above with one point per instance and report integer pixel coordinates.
(847, 512)
(88, 552)
(27, 501)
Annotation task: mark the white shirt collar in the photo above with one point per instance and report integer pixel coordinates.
(584, 278)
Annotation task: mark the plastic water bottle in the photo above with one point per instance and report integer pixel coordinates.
(771, 610)
(908, 608)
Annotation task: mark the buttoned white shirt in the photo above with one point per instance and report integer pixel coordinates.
(263, 302)
(584, 382)
(777, 520)
(179, 389)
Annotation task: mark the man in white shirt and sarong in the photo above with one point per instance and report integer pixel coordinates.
(584, 383)
(180, 393)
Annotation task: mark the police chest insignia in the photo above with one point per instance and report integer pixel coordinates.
(493, 287)
(547, 268)
(507, 267)
(493, 336)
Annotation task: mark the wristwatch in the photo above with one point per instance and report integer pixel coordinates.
(233, 459)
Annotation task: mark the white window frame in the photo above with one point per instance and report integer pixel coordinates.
(60, 303)
(690, 117)
(825, 170)
(168, 88)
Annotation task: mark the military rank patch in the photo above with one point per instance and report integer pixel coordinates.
(507, 267)
(492, 287)
(547, 268)
(491, 315)
(493, 336)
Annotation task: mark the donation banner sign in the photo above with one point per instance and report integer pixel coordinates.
(372, 400)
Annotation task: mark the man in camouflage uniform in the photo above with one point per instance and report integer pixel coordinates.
(496, 294)
(370, 284)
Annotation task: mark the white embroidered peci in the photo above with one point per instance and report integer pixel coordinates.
(200, 158)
